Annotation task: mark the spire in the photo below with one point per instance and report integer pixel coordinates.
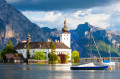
(65, 29)
(28, 38)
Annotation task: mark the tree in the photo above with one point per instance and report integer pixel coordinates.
(39, 55)
(52, 56)
(8, 49)
(28, 51)
(52, 47)
(67, 57)
(63, 58)
(75, 56)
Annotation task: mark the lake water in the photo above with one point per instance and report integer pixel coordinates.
(23, 71)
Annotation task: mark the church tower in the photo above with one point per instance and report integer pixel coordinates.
(28, 38)
(65, 36)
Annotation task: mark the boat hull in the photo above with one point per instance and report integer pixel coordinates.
(89, 68)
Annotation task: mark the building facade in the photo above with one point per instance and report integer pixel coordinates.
(62, 47)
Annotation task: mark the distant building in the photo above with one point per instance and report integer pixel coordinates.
(62, 47)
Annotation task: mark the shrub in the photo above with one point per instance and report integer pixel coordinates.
(39, 55)
(75, 56)
(63, 58)
(52, 58)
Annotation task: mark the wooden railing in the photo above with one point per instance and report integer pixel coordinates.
(98, 59)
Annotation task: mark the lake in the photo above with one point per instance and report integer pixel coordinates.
(23, 71)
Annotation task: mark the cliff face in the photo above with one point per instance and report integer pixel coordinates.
(15, 26)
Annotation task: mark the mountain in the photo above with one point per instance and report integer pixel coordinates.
(15, 26)
(81, 41)
(114, 28)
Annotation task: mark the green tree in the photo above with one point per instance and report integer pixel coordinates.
(52, 56)
(8, 49)
(52, 47)
(0, 54)
(39, 55)
(28, 51)
(75, 56)
(66, 58)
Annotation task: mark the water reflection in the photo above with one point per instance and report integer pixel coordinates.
(60, 68)
(23, 71)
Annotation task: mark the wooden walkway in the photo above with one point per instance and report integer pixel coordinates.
(98, 59)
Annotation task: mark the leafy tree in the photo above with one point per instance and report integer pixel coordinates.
(66, 58)
(52, 58)
(63, 58)
(75, 56)
(39, 55)
(8, 49)
(0, 54)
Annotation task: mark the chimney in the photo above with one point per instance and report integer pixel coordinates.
(40, 45)
(48, 40)
(55, 40)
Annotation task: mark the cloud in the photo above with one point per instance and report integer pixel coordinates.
(52, 15)
(55, 19)
(50, 5)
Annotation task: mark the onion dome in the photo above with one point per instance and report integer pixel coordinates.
(65, 29)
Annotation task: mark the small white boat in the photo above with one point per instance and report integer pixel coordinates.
(109, 62)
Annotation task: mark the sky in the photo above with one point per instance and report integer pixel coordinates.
(51, 13)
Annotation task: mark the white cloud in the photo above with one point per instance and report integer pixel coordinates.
(102, 17)
(56, 19)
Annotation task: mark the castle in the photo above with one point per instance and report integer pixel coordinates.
(62, 47)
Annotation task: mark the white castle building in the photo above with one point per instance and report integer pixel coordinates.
(62, 47)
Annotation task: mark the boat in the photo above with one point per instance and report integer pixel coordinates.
(90, 66)
(109, 62)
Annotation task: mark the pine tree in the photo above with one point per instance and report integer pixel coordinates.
(52, 47)
(28, 51)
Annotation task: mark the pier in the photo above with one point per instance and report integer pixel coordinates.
(98, 59)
